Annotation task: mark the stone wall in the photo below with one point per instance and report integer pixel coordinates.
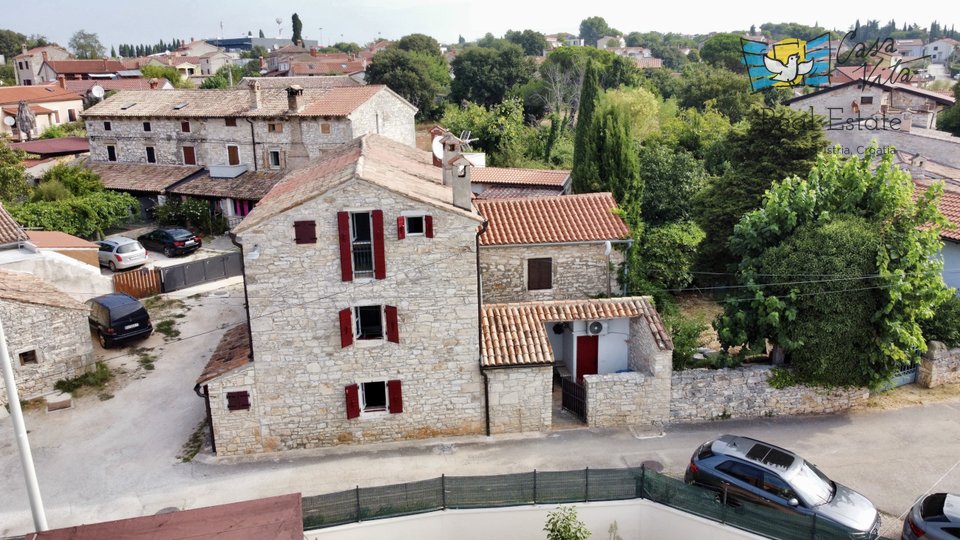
(940, 365)
(520, 399)
(616, 400)
(60, 337)
(917, 141)
(579, 271)
(386, 114)
(235, 432)
(707, 394)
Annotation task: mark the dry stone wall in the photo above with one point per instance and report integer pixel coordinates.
(520, 399)
(939, 366)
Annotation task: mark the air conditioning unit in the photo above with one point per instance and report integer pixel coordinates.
(596, 328)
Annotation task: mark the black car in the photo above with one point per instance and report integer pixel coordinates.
(171, 241)
(741, 469)
(118, 317)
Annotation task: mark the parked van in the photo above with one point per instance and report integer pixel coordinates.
(118, 317)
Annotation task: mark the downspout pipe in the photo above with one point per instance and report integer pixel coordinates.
(486, 381)
(246, 296)
(253, 142)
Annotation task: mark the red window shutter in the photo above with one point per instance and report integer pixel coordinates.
(237, 401)
(393, 326)
(346, 261)
(401, 228)
(346, 328)
(379, 258)
(395, 395)
(352, 393)
(305, 232)
(428, 226)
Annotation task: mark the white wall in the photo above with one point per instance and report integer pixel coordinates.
(79, 280)
(612, 347)
(635, 518)
(951, 264)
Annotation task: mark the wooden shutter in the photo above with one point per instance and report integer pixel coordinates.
(539, 274)
(238, 401)
(401, 228)
(305, 232)
(346, 263)
(379, 258)
(393, 326)
(352, 394)
(428, 226)
(346, 328)
(395, 395)
(189, 156)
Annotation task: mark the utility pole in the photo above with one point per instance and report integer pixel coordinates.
(20, 432)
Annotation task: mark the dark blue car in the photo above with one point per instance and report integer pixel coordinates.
(171, 241)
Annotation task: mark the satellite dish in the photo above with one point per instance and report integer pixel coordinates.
(10, 121)
(97, 91)
(437, 148)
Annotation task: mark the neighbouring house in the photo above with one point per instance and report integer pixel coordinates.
(574, 41)
(551, 248)
(211, 62)
(247, 43)
(65, 244)
(941, 50)
(316, 81)
(611, 42)
(51, 105)
(196, 48)
(48, 337)
(28, 62)
(909, 48)
(232, 197)
(148, 183)
(45, 153)
(72, 69)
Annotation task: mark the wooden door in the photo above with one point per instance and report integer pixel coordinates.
(233, 155)
(189, 156)
(587, 347)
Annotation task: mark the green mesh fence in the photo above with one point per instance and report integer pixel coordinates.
(489, 491)
(556, 487)
(330, 509)
(401, 499)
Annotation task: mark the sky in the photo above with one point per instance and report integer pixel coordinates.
(362, 21)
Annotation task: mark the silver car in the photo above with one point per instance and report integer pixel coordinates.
(120, 252)
(935, 516)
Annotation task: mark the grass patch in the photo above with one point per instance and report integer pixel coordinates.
(104, 396)
(95, 379)
(146, 359)
(168, 328)
(159, 303)
(193, 445)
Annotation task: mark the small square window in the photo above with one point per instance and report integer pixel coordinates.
(866, 100)
(414, 225)
(374, 396)
(151, 155)
(230, 122)
(146, 126)
(185, 127)
(369, 322)
(238, 401)
(274, 157)
(325, 128)
(107, 126)
(28, 358)
(539, 274)
(275, 128)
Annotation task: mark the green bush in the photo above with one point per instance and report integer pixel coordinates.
(53, 190)
(191, 213)
(685, 333)
(96, 378)
(945, 324)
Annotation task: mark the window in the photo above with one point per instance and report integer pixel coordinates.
(745, 473)
(151, 155)
(233, 155)
(539, 274)
(305, 232)
(373, 396)
(362, 253)
(28, 357)
(72, 115)
(369, 322)
(414, 225)
(325, 128)
(185, 127)
(107, 126)
(230, 122)
(274, 159)
(275, 128)
(238, 401)
(111, 152)
(361, 243)
(866, 100)
(19, 65)
(189, 155)
(775, 486)
(146, 126)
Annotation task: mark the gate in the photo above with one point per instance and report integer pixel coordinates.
(574, 398)
(905, 376)
(200, 271)
(138, 283)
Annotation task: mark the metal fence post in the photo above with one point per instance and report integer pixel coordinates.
(813, 529)
(534, 486)
(643, 478)
(358, 505)
(723, 508)
(586, 485)
(443, 490)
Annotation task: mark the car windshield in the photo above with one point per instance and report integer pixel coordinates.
(812, 485)
(129, 247)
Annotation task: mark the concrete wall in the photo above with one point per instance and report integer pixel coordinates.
(636, 518)
(295, 295)
(707, 394)
(61, 338)
(76, 279)
(579, 271)
(386, 115)
(939, 366)
(520, 399)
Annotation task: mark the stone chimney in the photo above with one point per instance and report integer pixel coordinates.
(61, 81)
(263, 63)
(300, 43)
(254, 94)
(44, 54)
(456, 172)
(295, 98)
(154, 83)
(23, 48)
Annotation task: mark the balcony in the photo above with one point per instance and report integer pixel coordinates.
(362, 259)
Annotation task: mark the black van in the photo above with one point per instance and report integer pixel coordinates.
(118, 317)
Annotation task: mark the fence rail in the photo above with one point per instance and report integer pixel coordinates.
(557, 487)
(138, 283)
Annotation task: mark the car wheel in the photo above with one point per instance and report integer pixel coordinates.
(168, 252)
(112, 266)
(104, 342)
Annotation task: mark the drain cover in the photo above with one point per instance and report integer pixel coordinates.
(654, 466)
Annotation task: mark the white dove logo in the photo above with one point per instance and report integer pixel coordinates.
(787, 73)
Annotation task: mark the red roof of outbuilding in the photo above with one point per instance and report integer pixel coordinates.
(550, 220)
(529, 177)
(47, 147)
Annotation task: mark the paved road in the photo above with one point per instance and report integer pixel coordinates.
(117, 458)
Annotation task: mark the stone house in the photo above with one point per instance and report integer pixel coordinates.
(74, 69)
(941, 50)
(52, 105)
(48, 337)
(28, 62)
(551, 248)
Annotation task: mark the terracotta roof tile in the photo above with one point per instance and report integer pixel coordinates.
(10, 230)
(141, 177)
(99, 65)
(516, 334)
(519, 192)
(35, 94)
(313, 81)
(527, 177)
(549, 220)
(327, 67)
(341, 101)
(29, 289)
(85, 85)
(63, 145)
(251, 185)
(37, 109)
(232, 352)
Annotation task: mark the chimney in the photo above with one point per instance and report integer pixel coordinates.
(254, 94)
(456, 172)
(300, 43)
(154, 83)
(44, 54)
(263, 63)
(62, 81)
(295, 98)
(313, 51)
(23, 48)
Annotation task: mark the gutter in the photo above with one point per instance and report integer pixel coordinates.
(626, 265)
(253, 142)
(486, 381)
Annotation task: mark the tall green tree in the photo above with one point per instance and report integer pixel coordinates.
(949, 119)
(532, 42)
(261, 34)
(724, 50)
(297, 37)
(703, 86)
(169, 73)
(10, 42)
(585, 174)
(86, 45)
(485, 76)
(419, 77)
(420, 43)
(113, 52)
(592, 29)
(616, 154)
(671, 178)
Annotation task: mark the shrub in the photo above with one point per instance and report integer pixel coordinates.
(945, 324)
(96, 378)
(54, 190)
(685, 333)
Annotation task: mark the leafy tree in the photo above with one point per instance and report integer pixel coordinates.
(70, 129)
(703, 134)
(297, 37)
(724, 50)
(418, 77)
(81, 216)
(592, 29)
(662, 258)
(420, 43)
(79, 181)
(671, 56)
(169, 73)
(612, 70)
(945, 325)
(585, 175)
(845, 260)
(949, 119)
(10, 42)
(261, 34)
(671, 177)
(563, 524)
(349, 48)
(7, 75)
(86, 45)
(221, 79)
(703, 86)
(532, 42)
(485, 76)
(255, 52)
(13, 177)
(641, 108)
(499, 130)
(694, 56)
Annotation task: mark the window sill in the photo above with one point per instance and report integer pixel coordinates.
(368, 343)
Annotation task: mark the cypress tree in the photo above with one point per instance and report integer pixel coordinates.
(261, 34)
(297, 36)
(113, 52)
(585, 174)
(618, 163)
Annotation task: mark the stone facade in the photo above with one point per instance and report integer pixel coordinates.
(846, 101)
(60, 338)
(939, 366)
(295, 294)
(520, 399)
(235, 432)
(579, 271)
(706, 394)
(926, 142)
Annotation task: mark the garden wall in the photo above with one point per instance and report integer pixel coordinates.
(940, 365)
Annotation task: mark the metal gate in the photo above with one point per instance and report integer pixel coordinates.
(905, 376)
(201, 271)
(574, 398)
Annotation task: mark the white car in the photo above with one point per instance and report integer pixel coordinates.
(120, 252)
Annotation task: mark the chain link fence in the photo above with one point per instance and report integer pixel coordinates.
(559, 487)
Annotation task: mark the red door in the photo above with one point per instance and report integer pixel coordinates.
(587, 356)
